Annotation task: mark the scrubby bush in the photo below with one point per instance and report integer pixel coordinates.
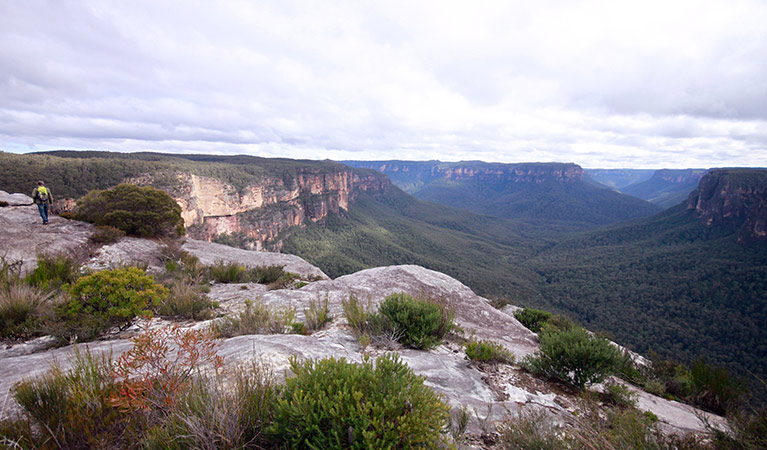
(159, 366)
(488, 351)
(71, 409)
(334, 404)
(23, 310)
(141, 211)
(105, 234)
(532, 319)
(110, 298)
(423, 323)
(257, 318)
(619, 395)
(10, 272)
(574, 356)
(52, 272)
(317, 315)
(187, 302)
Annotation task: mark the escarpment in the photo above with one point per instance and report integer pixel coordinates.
(735, 198)
(267, 205)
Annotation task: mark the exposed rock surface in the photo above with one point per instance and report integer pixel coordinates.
(735, 198)
(491, 392)
(261, 210)
(15, 199)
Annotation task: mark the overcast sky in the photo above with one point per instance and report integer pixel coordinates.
(643, 84)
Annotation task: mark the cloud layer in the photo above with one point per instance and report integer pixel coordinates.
(603, 84)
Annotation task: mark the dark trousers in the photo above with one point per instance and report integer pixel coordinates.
(43, 208)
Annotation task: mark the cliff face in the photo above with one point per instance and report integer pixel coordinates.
(261, 210)
(432, 170)
(683, 176)
(735, 198)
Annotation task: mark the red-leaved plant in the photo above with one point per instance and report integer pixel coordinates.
(160, 364)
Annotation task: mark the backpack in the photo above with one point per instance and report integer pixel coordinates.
(42, 194)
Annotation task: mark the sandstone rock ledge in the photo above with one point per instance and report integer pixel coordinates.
(491, 393)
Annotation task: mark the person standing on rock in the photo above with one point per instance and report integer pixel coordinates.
(42, 198)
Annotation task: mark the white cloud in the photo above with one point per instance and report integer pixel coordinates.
(610, 84)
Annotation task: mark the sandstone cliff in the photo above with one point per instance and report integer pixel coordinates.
(411, 175)
(268, 205)
(735, 198)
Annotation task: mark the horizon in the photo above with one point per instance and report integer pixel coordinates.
(625, 84)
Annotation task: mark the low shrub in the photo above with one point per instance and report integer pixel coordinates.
(334, 404)
(423, 323)
(574, 357)
(488, 351)
(52, 272)
(229, 272)
(531, 429)
(357, 314)
(619, 395)
(187, 302)
(257, 318)
(3, 204)
(140, 211)
(317, 315)
(532, 319)
(72, 409)
(105, 234)
(159, 366)
(23, 310)
(110, 298)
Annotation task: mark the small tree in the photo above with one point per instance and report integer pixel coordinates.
(574, 356)
(141, 211)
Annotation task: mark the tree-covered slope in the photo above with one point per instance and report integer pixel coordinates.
(481, 251)
(666, 188)
(668, 284)
(540, 191)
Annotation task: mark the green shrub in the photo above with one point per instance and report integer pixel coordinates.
(531, 429)
(317, 315)
(141, 211)
(422, 323)
(230, 272)
(72, 408)
(105, 234)
(257, 318)
(532, 319)
(619, 395)
(110, 298)
(52, 272)
(488, 351)
(3, 204)
(187, 302)
(574, 356)
(357, 314)
(23, 310)
(333, 404)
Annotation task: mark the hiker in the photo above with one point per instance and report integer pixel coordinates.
(42, 198)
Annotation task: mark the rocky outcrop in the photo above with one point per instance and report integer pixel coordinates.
(268, 205)
(735, 198)
(681, 176)
(492, 393)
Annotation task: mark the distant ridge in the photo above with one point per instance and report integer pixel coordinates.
(539, 191)
(667, 187)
